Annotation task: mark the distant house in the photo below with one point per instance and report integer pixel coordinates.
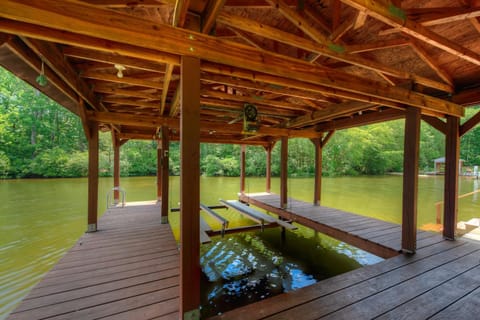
(440, 165)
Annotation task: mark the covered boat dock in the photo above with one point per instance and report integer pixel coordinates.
(257, 73)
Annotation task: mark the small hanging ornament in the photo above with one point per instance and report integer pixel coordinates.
(42, 79)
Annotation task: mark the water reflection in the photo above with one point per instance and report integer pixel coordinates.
(244, 268)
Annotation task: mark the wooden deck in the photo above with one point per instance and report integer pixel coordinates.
(129, 269)
(440, 281)
(376, 236)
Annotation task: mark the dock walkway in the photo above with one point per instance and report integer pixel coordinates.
(128, 269)
(376, 236)
(440, 281)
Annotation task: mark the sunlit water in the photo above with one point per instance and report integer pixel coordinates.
(41, 219)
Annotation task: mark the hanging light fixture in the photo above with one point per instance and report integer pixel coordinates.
(120, 69)
(42, 79)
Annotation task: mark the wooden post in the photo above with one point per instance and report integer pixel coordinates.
(159, 170)
(190, 189)
(242, 168)
(116, 168)
(452, 157)
(317, 193)
(165, 175)
(284, 173)
(92, 176)
(268, 173)
(410, 179)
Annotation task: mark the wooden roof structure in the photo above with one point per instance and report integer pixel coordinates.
(309, 66)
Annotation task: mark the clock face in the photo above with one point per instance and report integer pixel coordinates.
(250, 112)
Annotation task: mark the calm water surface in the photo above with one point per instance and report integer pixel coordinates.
(41, 219)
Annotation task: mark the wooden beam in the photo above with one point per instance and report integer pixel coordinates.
(112, 59)
(127, 80)
(131, 93)
(138, 33)
(210, 16)
(155, 122)
(330, 49)
(377, 45)
(475, 23)
(360, 120)
(432, 63)
(381, 11)
(243, 152)
(257, 100)
(53, 57)
(436, 123)
(340, 31)
(469, 124)
(30, 58)
(165, 173)
(284, 173)
(360, 20)
(330, 112)
(92, 177)
(450, 194)
(468, 97)
(327, 138)
(130, 102)
(435, 16)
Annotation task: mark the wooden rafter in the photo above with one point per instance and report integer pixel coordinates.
(71, 16)
(125, 80)
(432, 63)
(331, 112)
(154, 122)
(324, 50)
(435, 16)
(53, 57)
(210, 16)
(380, 10)
(365, 119)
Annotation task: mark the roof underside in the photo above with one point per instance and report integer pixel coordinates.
(309, 66)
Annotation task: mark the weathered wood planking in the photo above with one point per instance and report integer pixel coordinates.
(128, 269)
(440, 281)
(372, 235)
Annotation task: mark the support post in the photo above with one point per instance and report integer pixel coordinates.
(159, 170)
(242, 168)
(116, 168)
(190, 188)
(268, 169)
(452, 157)
(92, 176)
(165, 155)
(284, 173)
(317, 193)
(410, 179)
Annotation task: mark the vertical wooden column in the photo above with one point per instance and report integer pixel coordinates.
(92, 176)
(116, 168)
(284, 173)
(242, 168)
(190, 188)
(268, 169)
(165, 176)
(410, 180)
(317, 193)
(159, 170)
(452, 158)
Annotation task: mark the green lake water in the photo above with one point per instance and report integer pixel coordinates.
(41, 219)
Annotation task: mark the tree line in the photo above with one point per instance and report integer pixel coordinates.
(39, 138)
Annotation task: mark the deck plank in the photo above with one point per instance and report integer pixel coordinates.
(129, 269)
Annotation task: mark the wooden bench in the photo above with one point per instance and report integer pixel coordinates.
(255, 215)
